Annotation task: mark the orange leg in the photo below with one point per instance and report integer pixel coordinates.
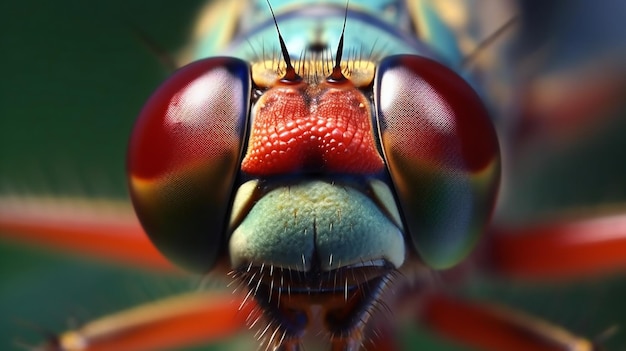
(492, 327)
(560, 250)
(175, 322)
(104, 230)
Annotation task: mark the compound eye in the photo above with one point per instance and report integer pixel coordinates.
(442, 153)
(183, 156)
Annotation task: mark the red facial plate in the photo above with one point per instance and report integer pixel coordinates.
(300, 128)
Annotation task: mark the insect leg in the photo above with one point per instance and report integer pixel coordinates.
(174, 322)
(560, 250)
(104, 230)
(494, 327)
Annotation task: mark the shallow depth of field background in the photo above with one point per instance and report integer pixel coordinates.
(75, 76)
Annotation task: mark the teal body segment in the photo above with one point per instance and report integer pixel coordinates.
(331, 224)
(373, 28)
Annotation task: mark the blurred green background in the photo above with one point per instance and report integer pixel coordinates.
(74, 77)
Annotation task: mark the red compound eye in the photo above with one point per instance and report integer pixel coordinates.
(442, 152)
(183, 157)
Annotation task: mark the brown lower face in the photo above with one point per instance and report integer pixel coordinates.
(341, 301)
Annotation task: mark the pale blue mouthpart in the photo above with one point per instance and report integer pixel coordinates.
(333, 224)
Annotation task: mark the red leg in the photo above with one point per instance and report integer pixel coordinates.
(560, 249)
(104, 230)
(175, 322)
(492, 327)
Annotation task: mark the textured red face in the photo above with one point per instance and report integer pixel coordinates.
(322, 128)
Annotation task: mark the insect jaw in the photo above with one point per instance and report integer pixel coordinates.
(315, 222)
(340, 302)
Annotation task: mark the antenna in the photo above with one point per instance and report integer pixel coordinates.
(485, 43)
(157, 50)
(336, 75)
(290, 72)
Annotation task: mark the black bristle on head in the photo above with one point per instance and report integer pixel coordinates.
(290, 72)
(336, 75)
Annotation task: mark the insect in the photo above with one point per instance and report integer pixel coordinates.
(107, 294)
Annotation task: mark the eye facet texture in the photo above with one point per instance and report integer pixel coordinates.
(184, 156)
(442, 153)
